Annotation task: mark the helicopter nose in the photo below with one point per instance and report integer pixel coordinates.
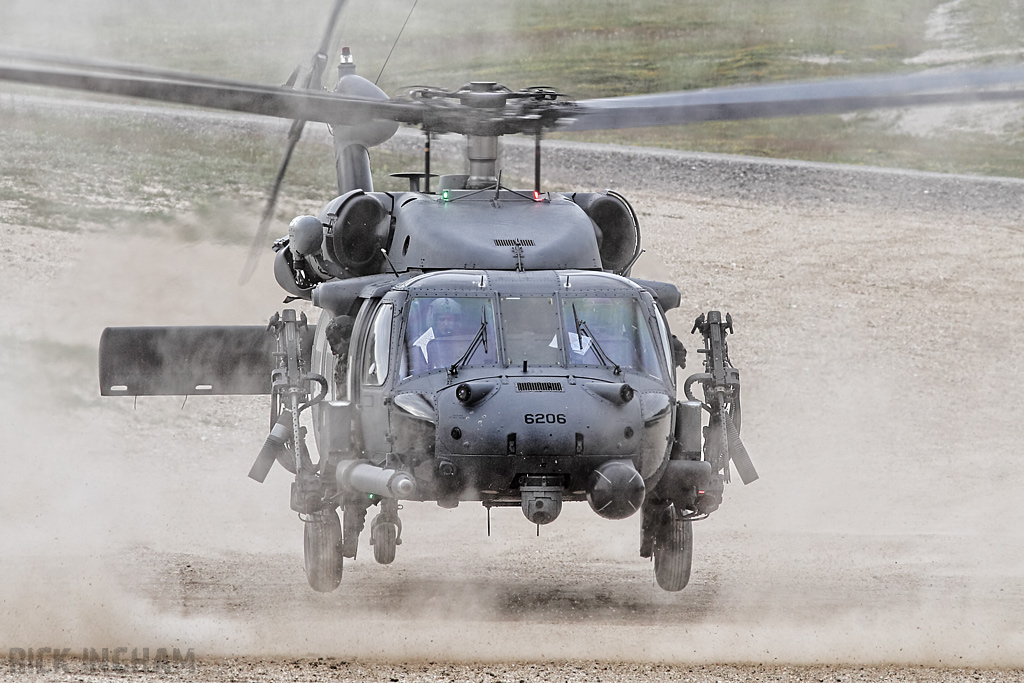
(529, 419)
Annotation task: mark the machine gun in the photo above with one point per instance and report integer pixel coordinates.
(720, 382)
(290, 395)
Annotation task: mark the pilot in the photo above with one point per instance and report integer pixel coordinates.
(445, 317)
(440, 347)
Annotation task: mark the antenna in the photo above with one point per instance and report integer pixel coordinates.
(393, 45)
(426, 162)
(389, 261)
(628, 265)
(536, 161)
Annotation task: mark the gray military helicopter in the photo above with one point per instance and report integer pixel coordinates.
(476, 342)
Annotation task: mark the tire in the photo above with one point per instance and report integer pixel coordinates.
(673, 554)
(385, 541)
(322, 552)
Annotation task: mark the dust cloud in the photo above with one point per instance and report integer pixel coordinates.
(879, 354)
(884, 527)
(87, 482)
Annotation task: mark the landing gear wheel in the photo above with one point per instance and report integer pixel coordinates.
(385, 541)
(321, 544)
(386, 531)
(673, 552)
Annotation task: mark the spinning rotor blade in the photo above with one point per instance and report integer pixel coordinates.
(98, 66)
(794, 99)
(313, 81)
(252, 260)
(636, 111)
(325, 40)
(201, 91)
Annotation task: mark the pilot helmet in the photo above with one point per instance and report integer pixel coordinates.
(445, 313)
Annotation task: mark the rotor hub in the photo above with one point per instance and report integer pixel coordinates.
(483, 95)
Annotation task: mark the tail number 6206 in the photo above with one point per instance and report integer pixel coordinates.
(544, 418)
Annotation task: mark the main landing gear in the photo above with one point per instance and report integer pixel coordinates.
(322, 550)
(326, 544)
(670, 540)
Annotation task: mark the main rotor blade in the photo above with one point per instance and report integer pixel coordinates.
(313, 81)
(794, 99)
(201, 91)
(332, 22)
(252, 260)
(98, 66)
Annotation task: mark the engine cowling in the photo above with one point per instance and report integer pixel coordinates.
(356, 232)
(618, 234)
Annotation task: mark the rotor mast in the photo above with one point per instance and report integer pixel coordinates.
(483, 150)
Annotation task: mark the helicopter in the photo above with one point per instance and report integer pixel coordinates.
(476, 343)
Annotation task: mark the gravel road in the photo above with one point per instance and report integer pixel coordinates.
(879, 332)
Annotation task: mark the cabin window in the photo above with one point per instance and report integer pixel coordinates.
(377, 350)
(442, 330)
(602, 331)
(530, 329)
(666, 343)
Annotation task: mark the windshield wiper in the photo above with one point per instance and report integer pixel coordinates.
(481, 337)
(581, 327)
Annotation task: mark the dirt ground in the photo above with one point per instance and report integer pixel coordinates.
(878, 332)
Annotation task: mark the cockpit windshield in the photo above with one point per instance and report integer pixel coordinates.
(446, 331)
(530, 328)
(608, 332)
(442, 330)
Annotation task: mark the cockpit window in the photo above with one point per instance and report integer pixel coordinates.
(530, 329)
(377, 352)
(609, 331)
(442, 330)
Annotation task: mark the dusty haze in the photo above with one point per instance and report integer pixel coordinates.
(881, 388)
(878, 334)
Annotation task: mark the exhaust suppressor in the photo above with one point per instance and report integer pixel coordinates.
(359, 475)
